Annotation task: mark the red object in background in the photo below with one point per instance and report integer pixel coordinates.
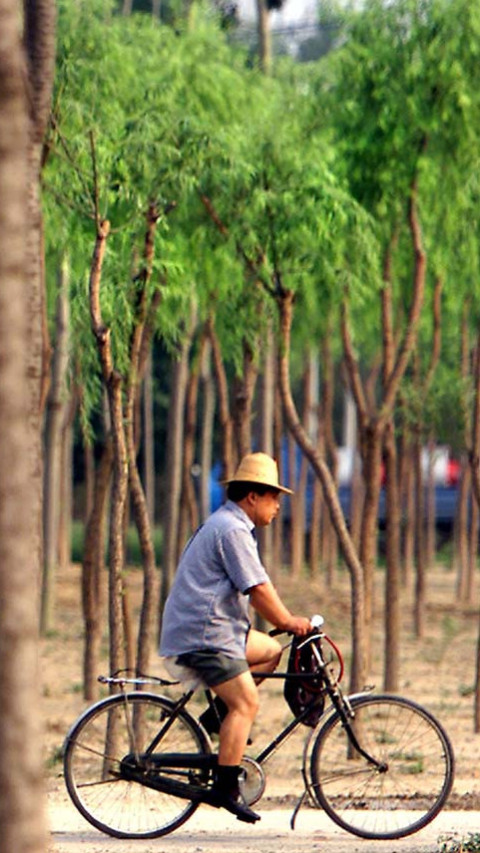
(453, 473)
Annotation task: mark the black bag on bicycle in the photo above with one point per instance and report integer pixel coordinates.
(298, 691)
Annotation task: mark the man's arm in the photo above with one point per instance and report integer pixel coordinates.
(265, 599)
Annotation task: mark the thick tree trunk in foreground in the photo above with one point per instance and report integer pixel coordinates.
(39, 42)
(21, 790)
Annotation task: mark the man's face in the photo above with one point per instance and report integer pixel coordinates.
(265, 507)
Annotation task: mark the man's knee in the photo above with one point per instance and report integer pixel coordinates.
(240, 694)
(263, 651)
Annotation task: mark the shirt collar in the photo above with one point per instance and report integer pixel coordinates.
(240, 513)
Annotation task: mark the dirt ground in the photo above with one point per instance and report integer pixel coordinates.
(437, 671)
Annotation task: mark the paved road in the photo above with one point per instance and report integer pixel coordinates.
(211, 831)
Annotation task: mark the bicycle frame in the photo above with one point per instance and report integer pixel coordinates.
(339, 703)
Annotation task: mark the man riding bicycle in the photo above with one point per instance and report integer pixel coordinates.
(206, 625)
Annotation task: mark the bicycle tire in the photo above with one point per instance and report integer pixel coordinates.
(414, 783)
(115, 805)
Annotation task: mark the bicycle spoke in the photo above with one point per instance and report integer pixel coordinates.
(409, 786)
(112, 801)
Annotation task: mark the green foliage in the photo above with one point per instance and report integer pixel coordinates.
(456, 843)
(308, 173)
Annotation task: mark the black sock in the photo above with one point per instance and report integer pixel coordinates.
(226, 779)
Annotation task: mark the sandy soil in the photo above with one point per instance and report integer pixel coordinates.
(437, 671)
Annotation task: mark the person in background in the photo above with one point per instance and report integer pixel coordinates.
(206, 625)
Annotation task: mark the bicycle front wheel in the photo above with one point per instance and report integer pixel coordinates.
(408, 786)
(98, 743)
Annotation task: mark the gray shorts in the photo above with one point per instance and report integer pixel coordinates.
(213, 666)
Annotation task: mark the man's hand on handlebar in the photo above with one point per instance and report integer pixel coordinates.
(298, 625)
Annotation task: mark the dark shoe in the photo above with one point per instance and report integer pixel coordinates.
(225, 794)
(233, 804)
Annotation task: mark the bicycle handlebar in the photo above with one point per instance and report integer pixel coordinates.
(316, 621)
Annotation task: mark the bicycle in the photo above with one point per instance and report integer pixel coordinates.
(138, 764)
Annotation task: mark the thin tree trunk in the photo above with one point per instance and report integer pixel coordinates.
(55, 415)
(174, 462)
(225, 420)
(140, 348)
(264, 36)
(461, 528)
(64, 544)
(189, 515)
(148, 440)
(243, 391)
(372, 419)
(93, 592)
(278, 532)
(392, 579)
(392, 572)
(420, 577)
(206, 432)
(359, 658)
(266, 407)
(430, 536)
(329, 540)
(113, 383)
(472, 553)
(407, 490)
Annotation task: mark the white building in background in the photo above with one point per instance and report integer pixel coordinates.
(293, 12)
(295, 22)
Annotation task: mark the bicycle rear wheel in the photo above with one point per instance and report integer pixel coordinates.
(99, 741)
(412, 783)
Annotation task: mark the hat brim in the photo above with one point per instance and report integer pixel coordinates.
(275, 487)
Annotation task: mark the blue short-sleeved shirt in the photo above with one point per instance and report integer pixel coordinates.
(207, 607)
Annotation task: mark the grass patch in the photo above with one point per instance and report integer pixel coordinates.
(134, 557)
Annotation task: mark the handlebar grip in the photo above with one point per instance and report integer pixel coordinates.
(316, 622)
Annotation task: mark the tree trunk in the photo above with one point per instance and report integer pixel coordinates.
(174, 462)
(266, 444)
(206, 431)
(22, 804)
(113, 383)
(392, 578)
(148, 440)
(189, 515)
(140, 348)
(372, 419)
(461, 531)
(407, 492)
(420, 567)
(472, 554)
(278, 434)
(329, 540)
(225, 420)
(55, 415)
(93, 593)
(66, 486)
(430, 504)
(243, 391)
(264, 37)
(39, 42)
(359, 659)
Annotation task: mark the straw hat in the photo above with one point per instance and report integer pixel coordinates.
(258, 468)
